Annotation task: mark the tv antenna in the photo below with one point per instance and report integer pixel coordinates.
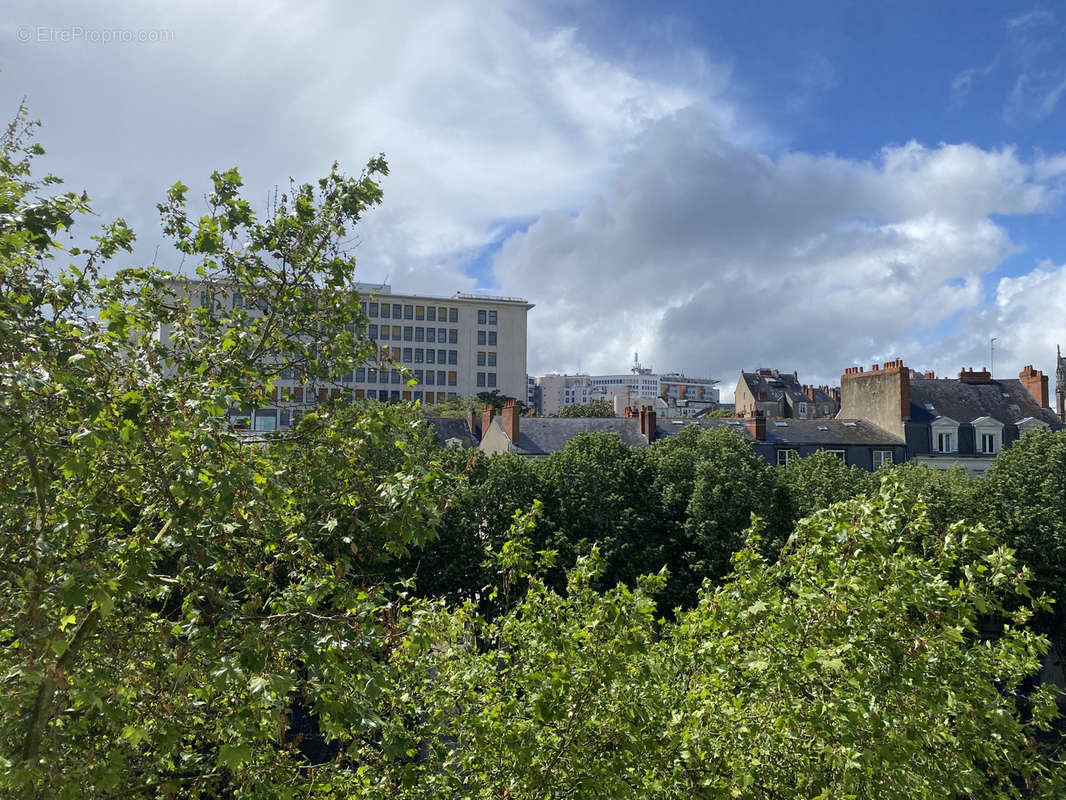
(992, 355)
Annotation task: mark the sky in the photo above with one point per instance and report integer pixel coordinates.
(715, 186)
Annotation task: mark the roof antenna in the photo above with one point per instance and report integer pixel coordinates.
(992, 356)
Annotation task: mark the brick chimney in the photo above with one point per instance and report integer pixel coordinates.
(647, 422)
(881, 395)
(509, 420)
(471, 422)
(1036, 382)
(969, 376)
(486, 418)
(755, 422)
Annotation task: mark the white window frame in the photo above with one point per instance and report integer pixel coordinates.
(945, 426)
(841, 453)
(882, 458)
(988, 427)
(786, 455)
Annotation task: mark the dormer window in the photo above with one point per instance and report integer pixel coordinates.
(945, 435)
(989, 435)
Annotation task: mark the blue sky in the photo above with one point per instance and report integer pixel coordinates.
(716, 185)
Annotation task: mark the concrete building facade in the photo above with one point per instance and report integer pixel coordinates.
(450, 347)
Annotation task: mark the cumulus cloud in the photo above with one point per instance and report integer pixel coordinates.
(711, 257)
(488, 112)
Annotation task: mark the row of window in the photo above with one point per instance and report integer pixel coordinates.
(418, 355)
(486, 338)
(411, 333)
(270, 419)
(376, 310)
(881, 457)
(486, 379)
(486, 317)
(948, 443)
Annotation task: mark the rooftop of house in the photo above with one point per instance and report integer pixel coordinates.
(451, 430)
(795, 431)
(539, 436)
(1005, 400)
(774, 385)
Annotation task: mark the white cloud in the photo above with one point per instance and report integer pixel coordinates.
(711, 257)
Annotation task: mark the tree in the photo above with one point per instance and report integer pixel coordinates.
(821, 479)
(170, 593)
(595, 408)
(856, 666)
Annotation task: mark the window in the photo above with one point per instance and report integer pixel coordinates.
(395, 354)
(265, 420)
(373, 309)
(492, 379)
(882, 458)
(418, 396)
(408, 312)
(945, 433)
(988, 443)
(408, 355)
(988, 434)
(453, 379)
(453, 315)
(803, 410)
(396, 332)
(420, 312)
(492, 359)
(825, 411)
(420, 334)
(385, 311)
(481, 358)
(442, 356)
(347, 377)
(481, 338)
(482, 317)
(481, 379)
(383, 376)
(372, 331)
(360, 375)
(384, 332)
(430, 375)
(408, 333)
(453, 357)
(418, 376)
(492, 318)
(838, 454)
(431, 356)
(397, 310)
(943, 442)
(453, 336)
(431, 335)
(442, 377)
(372, 394)
(442, 313)
(371, 375)
(492, 338)
(420, 355)
(785, 456)
(287, 374)
(431, 313)
(442, 335)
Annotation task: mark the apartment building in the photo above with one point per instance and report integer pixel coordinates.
(637, 387)
(450, 347)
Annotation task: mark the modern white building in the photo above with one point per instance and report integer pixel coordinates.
(450, 347)
(633, 388)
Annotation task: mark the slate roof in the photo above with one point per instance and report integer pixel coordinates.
(797, 431)
(828, 432)
(451, 428)
(539, 436)
(1006, 400)
(780, 385)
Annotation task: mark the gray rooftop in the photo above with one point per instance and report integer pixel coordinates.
(539, 436)
(1006, 400)
(449, 428)
(795, 431)
(780, 385)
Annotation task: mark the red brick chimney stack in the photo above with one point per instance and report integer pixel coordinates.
(971, 376)
(509, 420)
(1036, 382)
(486, 418)
(755, 422)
